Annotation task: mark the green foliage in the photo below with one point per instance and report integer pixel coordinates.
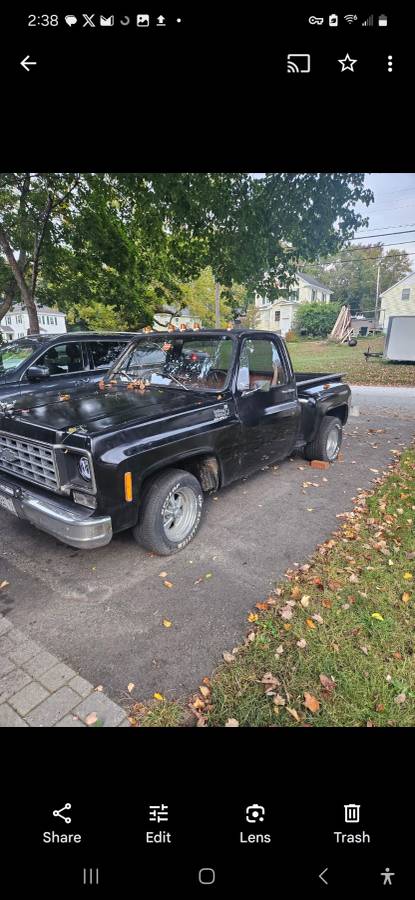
(316, 319)
(199, 298)
(96, 317)
(352, 274)
(131, 240)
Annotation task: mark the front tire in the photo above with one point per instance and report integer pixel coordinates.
(171, 512)
(327, 443)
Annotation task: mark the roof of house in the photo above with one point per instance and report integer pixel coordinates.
(402, 280)
(314, 282)
(18, 307)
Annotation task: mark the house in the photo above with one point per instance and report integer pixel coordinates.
(398, 300)
(15, 323)
(278, 315)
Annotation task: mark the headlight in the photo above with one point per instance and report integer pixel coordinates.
(84, 468)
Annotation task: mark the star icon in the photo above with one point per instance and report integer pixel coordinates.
(347, 63)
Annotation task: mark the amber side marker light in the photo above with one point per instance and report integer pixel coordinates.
(128, 487)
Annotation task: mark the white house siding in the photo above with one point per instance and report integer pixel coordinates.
(393, 302)
(16, 323)
(302, 292)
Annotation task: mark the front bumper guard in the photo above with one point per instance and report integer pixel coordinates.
(58, 517)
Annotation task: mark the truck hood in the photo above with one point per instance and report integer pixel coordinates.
(91, 412)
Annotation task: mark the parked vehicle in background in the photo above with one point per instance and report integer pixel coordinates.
(400, 339)
(59, 362)
(175, 418)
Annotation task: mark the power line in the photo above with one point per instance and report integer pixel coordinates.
(362, 237)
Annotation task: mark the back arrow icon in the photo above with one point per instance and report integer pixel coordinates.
(26, 63)
(323, 873)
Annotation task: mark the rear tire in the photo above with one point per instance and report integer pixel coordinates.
(171, 512)
(327, 443)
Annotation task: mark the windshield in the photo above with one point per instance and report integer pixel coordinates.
(193, 362)
(13, 355)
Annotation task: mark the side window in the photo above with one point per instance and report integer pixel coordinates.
(260, 365)
(104, 353)
(62, 359)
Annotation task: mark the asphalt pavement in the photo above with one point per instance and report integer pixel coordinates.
(101, 612)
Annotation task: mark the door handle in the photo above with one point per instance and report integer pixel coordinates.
(287, 390)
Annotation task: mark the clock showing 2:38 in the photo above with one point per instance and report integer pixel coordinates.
(44, 20)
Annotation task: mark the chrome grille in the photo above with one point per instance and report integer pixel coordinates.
(29, 460)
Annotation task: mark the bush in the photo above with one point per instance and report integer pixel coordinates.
(316, 319)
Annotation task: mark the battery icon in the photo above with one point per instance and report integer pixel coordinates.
(382, 21)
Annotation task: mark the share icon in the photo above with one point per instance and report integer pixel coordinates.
(58, 812)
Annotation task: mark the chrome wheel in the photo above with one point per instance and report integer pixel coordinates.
(333, 442)
(179, 514)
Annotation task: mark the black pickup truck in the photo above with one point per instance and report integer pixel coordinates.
(178, 415)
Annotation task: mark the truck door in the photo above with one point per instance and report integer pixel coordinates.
(267, 403)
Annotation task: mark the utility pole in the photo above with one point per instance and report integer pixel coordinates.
(377, 297)
(217, 304)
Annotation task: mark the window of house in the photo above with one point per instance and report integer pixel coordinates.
(313, 296)
(406, 293)
(277, 315)
(260, 364)
(9, 320)
(293, 296)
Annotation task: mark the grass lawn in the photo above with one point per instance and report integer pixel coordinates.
(334, 643)
(324, 356)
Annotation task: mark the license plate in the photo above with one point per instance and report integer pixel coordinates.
(5, 503)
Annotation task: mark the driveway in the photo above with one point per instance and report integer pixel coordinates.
(102, 611)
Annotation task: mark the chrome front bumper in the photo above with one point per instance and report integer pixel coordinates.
(61, 518)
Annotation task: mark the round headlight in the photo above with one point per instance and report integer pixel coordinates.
(84, 468)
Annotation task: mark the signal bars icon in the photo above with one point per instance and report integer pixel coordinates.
(368, 21)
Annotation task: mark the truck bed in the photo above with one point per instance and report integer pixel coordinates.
(307, 379)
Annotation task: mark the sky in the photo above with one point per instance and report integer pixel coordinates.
(393, 210)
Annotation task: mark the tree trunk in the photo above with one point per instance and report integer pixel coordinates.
(217, 304)
(25, 292)
(8, 300)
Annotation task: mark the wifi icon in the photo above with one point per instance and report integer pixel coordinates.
(350, 19)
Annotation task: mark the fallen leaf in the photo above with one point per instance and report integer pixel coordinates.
(311, 702)
(99, 688)
(253, 617)
(261, 606)
(317, 618)
(205, 692)
(279, 650)
(130, 687)
(286, 612)
(327, 682)
(378, 617)
(353, 579)
(301, 643)
(198, 703)
(232, 723)
(167, 623)
(305, 601)
(270, 680)
(408, 576)
(380, 707)
(401, 698)
(364, 650)
(326, 603)
(91, 719)
(406, 597)
(158, 696)
(296, 592)
(162, 574)
(293, 713)
(167, 584)
(4, 584)
(228, 657)
(311, 624)
(278, 700)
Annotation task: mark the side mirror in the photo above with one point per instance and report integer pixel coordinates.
(36, 373)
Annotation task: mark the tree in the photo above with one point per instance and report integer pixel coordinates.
(95, 317)
(130, 240)
(352, 274)
(316, 319)
(199, 297)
